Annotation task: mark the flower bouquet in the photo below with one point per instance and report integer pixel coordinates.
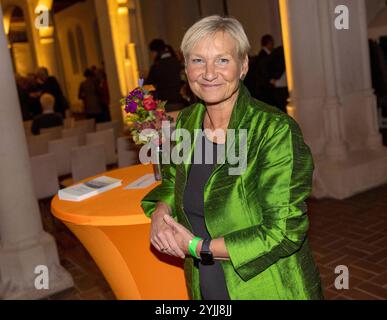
(144, 117)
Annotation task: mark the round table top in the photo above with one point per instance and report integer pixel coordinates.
(111, 208)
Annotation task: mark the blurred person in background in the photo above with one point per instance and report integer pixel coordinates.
(89, 93)
(24, 99)
(104, 93)
(278, 80)
(164, 74)
(49, 118)
(49, 84)
(258, 77)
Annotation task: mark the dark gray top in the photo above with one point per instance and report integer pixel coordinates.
(212, 281)
(46, 120)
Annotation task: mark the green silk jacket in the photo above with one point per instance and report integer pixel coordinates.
(261, 213)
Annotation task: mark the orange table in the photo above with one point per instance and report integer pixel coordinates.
(113, 228)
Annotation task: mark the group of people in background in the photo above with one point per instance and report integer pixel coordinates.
(94, 92)
(266, 78)
(42, 99)
(266, 81)
(32, 87)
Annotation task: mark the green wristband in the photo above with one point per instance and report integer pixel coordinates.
(193, 244)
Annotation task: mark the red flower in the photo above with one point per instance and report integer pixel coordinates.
(149, 103)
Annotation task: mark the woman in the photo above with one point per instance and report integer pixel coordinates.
(253, 224)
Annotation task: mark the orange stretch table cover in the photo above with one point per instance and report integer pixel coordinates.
(114, 207)
(115, 231)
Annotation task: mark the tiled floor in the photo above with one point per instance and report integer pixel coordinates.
(352, 232)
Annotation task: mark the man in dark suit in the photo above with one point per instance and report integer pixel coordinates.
(277, 73)
(258, 77)
(164, 74)
(48, 118)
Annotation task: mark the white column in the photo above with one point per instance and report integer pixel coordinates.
(118, 50)
(24, 245)
(305, 68)
(335, 146)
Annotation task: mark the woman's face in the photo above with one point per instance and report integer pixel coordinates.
(214, 69)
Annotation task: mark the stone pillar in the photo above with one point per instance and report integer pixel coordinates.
(118, 50)
(24, 245)
(335, 146)
(331, 97)
(305, 68)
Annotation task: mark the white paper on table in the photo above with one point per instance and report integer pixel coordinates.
(142, 182)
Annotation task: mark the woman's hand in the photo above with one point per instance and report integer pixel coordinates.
(161, 236)
(181, 234)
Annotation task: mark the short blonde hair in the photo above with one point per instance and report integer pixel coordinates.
(211, 25)
(47, 101)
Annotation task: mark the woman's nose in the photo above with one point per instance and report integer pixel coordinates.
(210, 73)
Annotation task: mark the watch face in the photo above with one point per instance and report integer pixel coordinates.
(207, 258)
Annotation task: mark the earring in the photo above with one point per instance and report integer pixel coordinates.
(243, 76)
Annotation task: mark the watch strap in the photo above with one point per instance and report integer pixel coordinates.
(206, 245)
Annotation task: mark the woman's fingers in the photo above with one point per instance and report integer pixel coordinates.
(162, 241)
(174, 246)
(154, 243)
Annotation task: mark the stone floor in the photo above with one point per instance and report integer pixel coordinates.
(351, 232)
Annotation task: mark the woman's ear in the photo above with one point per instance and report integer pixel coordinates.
(245, 67)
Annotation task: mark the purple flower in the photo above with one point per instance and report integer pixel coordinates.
(138, 94)
(131, 106)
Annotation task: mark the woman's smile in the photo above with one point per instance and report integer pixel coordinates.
(210, 86)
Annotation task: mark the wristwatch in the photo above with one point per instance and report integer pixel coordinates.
(205, 253)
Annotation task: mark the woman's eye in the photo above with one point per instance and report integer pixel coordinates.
(197, 60)
(223, 61)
